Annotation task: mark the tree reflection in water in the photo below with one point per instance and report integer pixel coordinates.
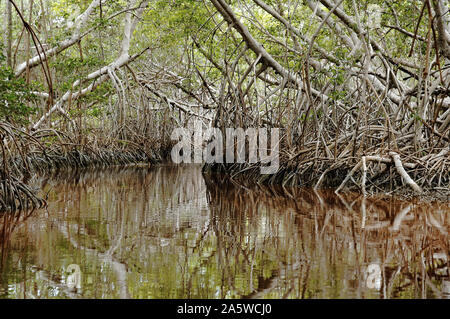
(165, 232)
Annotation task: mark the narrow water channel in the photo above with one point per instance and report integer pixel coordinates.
(166, 232)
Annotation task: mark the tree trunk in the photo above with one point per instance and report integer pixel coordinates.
(8, 32)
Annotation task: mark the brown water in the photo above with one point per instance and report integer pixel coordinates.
(167, 233)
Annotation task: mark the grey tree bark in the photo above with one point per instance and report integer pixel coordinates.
(8, 33)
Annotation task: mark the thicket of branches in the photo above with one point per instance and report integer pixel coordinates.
(360, 89)
(354, 104)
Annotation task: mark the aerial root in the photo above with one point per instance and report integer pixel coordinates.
(403, 173)
(350, 174)
(364, 176)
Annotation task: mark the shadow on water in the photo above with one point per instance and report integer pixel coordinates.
(165, 232)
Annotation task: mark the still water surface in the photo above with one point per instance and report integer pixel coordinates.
(166, 232)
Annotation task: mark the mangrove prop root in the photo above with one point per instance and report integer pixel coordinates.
(403, 173)
(25, 154)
